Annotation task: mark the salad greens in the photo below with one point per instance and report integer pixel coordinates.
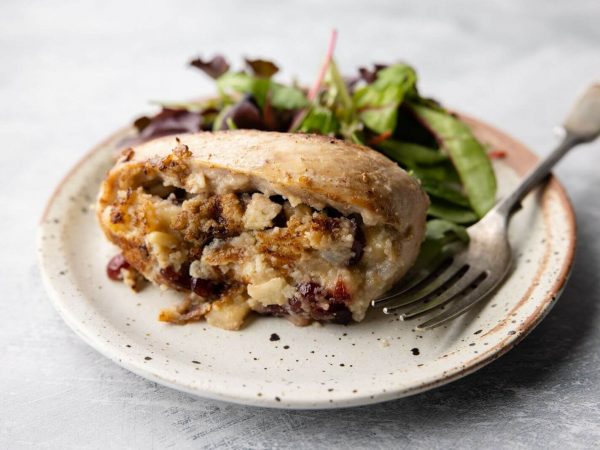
(378, 102)
(380, 107)
(467, 153)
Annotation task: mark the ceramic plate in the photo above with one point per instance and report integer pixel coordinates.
(327, 366)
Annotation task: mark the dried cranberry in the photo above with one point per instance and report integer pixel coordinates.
(332, 212)
(177, 196)
(340, 292)
(295, 305)
(114, 266)
(179, 278)
(309, 290)
(358, 246)
(275, 310)
(318, 313)
(279, 199)
(201, 287)
(280, 220)
(341, 314)
(309, 300)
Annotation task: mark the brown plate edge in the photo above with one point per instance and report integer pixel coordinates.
(521, 161)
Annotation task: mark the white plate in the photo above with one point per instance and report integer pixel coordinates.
(312, 367)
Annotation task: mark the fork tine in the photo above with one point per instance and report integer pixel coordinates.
(462, 304)
(461, 284)
(413, 281)
(416, 295)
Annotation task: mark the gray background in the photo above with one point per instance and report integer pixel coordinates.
(73, 71)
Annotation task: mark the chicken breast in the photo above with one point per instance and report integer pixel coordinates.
(302, 226)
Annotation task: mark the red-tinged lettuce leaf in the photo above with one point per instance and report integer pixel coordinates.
(214, 67)
(276, 119)
(351, 82)
(468, 155)
(168, 121)
(370, 75)
(262, 67)
(244, 114)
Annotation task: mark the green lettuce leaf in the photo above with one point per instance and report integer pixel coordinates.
(442, 238)
(410, 154)
(449, 192)
(320, 120)
(377, 103)
(438, 229)
(467, 154)
(452, 213)
(337, 96)
(281, 96)
(333, 111)
(287, 97)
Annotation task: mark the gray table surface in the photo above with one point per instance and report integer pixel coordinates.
(72, 71)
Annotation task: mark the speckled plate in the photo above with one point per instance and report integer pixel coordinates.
(328, 366)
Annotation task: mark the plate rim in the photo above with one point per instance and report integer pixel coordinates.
(521, 163)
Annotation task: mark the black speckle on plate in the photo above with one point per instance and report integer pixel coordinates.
(147, 358)
(415, 351)
(274, 337)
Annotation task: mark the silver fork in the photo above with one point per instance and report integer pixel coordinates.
(469, 275)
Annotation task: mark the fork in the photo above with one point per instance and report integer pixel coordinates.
(470, 274)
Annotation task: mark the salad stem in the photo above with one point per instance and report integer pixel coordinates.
(314, 90)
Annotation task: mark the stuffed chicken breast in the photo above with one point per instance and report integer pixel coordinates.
(302, 226)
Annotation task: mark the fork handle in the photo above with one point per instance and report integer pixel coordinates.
(582, 125)
(510, 204)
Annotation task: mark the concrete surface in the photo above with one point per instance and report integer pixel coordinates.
(73, 71)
